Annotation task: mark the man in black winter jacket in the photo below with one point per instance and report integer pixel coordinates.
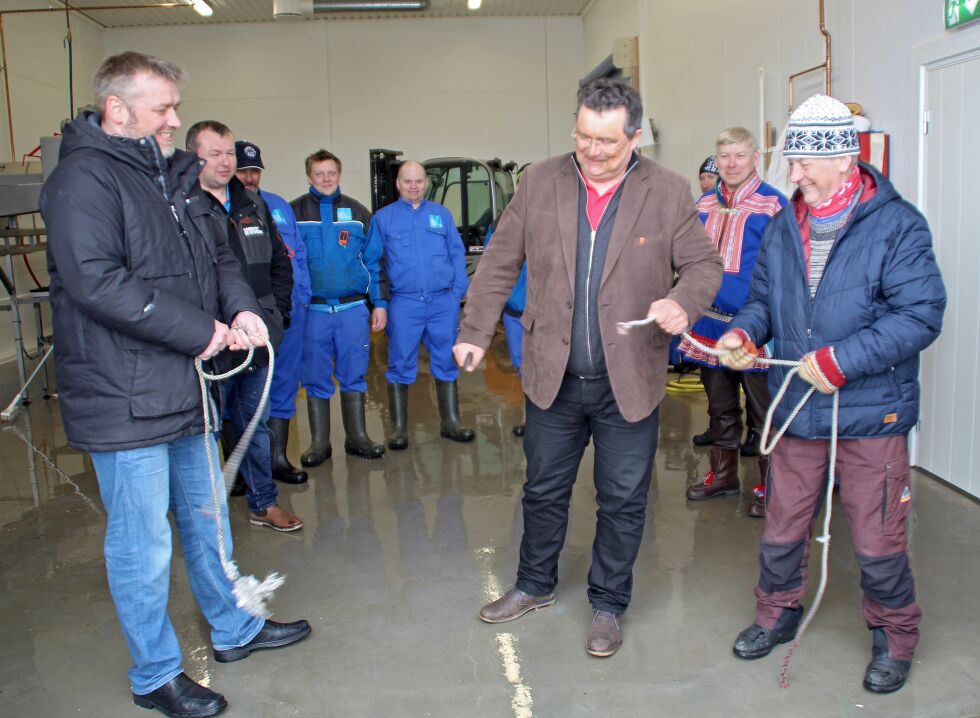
(264, 260)
(141, 284)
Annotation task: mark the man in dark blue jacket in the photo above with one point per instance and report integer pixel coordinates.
(141, 284)
(846, 281)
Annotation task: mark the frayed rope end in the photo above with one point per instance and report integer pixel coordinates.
(252, 596)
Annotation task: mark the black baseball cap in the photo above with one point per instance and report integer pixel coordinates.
(249, 156)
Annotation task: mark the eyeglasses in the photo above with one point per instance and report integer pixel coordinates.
(584, 142)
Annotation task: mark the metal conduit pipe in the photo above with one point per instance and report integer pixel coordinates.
(825, 65)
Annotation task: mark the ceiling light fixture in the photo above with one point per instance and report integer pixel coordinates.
(282, 9)
(473, 4)
(202, 8)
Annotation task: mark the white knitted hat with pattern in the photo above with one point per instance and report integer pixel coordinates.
(821, 127)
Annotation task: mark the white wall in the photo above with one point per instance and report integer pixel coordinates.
(699, 65)
(37, 66)
(37, 69)
(480, 87)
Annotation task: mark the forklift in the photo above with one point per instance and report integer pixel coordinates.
(475, 191)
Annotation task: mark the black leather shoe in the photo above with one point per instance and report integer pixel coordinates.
(705, 439)
(756, 641)
(181, 697)
(272, 635)
(238, 487)
(884, 674)
(751, 445)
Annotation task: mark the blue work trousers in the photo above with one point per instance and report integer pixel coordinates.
(433, 320)
(336, 344)
(514, 332)
(289, 360)
(138, 488)
(242, 394)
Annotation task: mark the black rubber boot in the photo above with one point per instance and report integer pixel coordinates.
(318, 411)
(228, 441)
(282, 470)
(357, 442)
(398, 406)
(450, 428)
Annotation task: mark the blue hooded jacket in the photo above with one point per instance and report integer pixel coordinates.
(879, 303)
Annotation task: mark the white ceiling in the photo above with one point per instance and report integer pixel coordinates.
(261, 11)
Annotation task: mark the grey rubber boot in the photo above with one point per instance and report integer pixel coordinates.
(318, 411)
(450, 428)
(282, 470)
(398, 406)
(357, 442)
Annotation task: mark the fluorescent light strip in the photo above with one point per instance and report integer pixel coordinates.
(202, 8)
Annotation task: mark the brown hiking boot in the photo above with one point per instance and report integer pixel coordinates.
(721, 480)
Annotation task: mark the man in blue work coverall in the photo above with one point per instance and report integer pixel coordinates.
(511, 318)
(426, 267)
(285, 380)
(345, 273)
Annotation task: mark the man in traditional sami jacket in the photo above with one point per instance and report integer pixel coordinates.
(735, 216)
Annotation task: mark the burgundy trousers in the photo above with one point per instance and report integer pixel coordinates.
(875, 496)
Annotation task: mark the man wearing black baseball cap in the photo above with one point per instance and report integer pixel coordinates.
(285, 381)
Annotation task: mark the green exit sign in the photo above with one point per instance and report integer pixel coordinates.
(960, 12)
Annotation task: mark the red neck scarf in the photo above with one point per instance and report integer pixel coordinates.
(838, 202)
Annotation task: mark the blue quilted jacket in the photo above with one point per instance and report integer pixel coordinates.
(879, 303)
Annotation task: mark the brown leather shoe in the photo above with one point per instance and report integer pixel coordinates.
(276, 518)
(605, 634)
(513, 604)
(721, 480)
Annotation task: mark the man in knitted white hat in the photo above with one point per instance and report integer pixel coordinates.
(846, 281)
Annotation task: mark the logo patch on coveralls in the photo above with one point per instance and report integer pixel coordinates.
(251, 231)
(906, 496)
(435, 221)
(344, 214)
(342, 237)
(277, 216)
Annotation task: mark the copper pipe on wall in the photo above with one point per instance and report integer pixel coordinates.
(3, 47)
(825, 65)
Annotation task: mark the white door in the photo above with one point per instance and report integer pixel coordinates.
(949, 441)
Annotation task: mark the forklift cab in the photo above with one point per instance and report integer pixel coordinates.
(476, 192)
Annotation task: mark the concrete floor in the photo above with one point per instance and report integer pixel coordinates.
(398, 555)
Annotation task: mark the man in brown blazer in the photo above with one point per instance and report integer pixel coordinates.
(604, 232)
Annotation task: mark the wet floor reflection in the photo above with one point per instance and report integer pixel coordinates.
(398, 555)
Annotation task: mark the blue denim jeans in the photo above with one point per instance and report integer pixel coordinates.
(138, 488)
(242, 393)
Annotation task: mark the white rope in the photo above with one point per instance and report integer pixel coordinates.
(766, 449)
(251, 595)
